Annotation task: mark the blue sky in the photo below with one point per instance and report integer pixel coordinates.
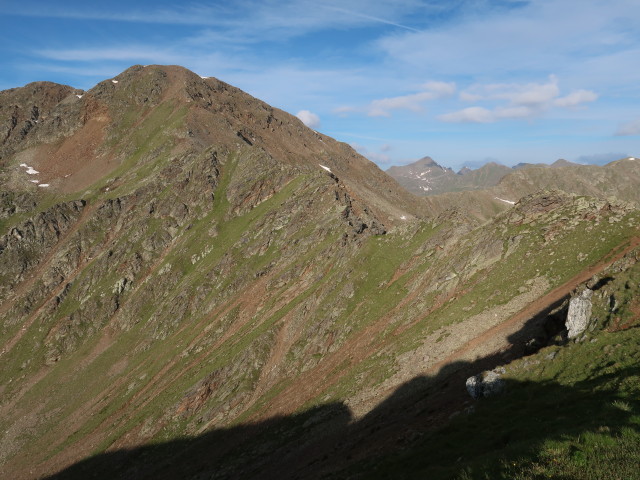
(463, 81)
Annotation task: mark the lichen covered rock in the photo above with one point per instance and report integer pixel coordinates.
(579, 314)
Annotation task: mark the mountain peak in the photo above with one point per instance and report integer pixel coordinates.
(426, 162)
(178, 111)
(561, 162)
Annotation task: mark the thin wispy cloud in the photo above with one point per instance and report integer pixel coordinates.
(288, 18)
(372, 18)
(414, 102)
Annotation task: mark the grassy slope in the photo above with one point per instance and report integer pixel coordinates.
(569, 412)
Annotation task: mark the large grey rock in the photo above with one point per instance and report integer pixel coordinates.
(579, 314)
(486, 384)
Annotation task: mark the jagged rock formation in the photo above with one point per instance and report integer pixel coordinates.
(191, 269)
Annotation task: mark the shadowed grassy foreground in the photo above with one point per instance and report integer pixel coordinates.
(546, 424)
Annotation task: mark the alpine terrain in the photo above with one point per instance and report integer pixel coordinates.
(193, 284)
(426, 177)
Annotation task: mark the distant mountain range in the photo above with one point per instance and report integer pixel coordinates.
(426, 177)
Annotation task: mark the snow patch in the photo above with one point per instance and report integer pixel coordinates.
(326, 168)
(43, 185)
(505, 201)
(114, 81)
(403, 217)
(34, 181)
(79, 96)
(30, 170)
(631, 158)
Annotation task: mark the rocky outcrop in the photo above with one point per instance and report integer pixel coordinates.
(39, 111)
(25, 244)
(579, 314)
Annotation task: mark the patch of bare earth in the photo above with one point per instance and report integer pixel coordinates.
(74, 163)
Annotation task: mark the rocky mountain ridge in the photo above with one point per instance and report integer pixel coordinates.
(426, 178)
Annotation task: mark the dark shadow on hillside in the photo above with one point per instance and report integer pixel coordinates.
(326, 442)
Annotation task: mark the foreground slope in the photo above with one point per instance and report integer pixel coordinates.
(193, 271)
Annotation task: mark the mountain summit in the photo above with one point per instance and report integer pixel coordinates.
(111, 121)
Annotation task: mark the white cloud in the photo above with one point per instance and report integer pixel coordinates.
(310, 119)
(576, 98)
(533, 94)
(528, 94)
(469, 115)
(523, 101)
(469, 97)
(412, 102)
(629, 128)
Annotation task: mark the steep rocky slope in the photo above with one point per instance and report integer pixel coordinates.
(204, 274)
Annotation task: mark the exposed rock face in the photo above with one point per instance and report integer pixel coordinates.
(579, 314)
(486, 384)
(36, 112)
